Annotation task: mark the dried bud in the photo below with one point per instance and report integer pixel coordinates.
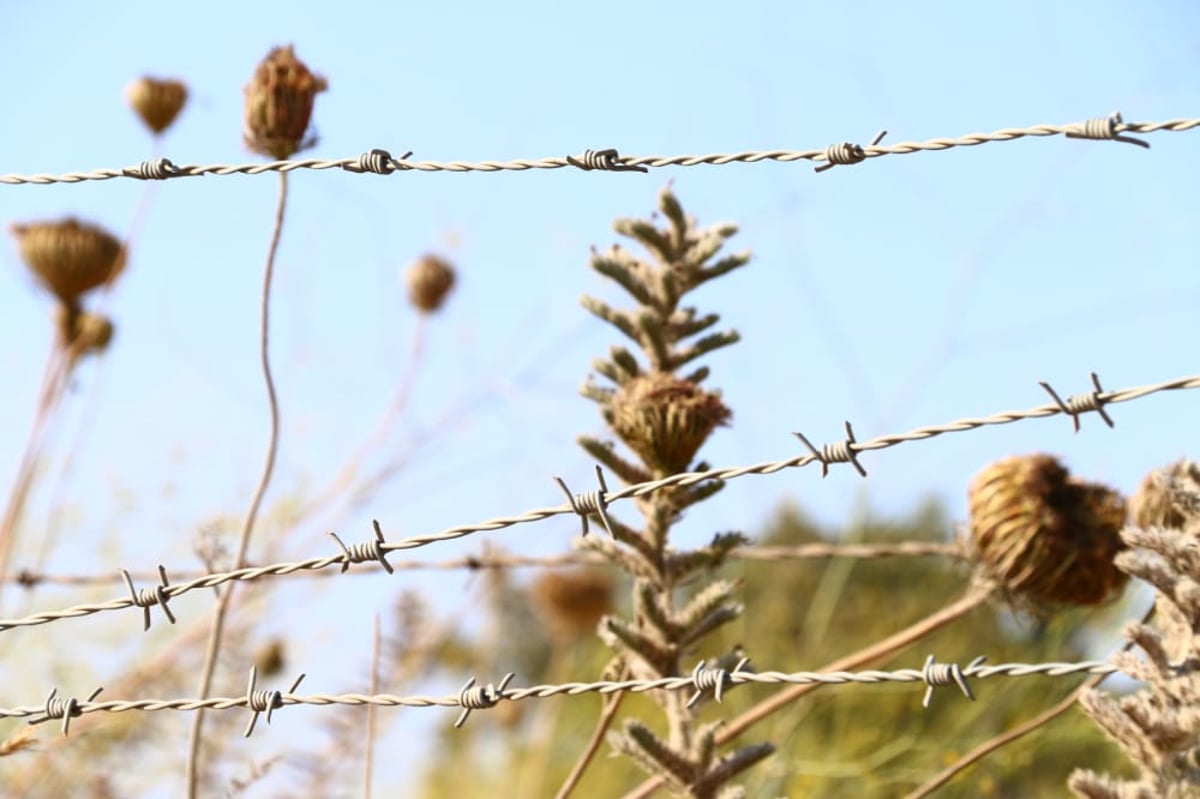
(1161, 499)
(70, 257)
(270, 658)
(666, 420)
(82, 332)
(572, 602)
(279, 104)
(429, 282)
(1047, 537)
(156, 101)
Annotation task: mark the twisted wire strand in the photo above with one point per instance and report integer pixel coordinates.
(640, 489)
(473, 698)
(378, 161)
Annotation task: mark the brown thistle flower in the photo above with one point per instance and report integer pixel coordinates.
(572, 602)
(270, 658)
(157, 101)
(1154, 505)
(70, 257)
(666, 419)
(429, 280)
(279, 104)
(82, 332)
(1047, 537)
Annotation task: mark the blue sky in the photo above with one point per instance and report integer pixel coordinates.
(904, 291)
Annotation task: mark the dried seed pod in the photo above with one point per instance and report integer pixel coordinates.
(270, 658)
(1162, 498)
(279, 104)
(665, 419)
(70, 257)
(82, 332)
(429, 280)
(157, 101)
(572, 602)
(1047, 537)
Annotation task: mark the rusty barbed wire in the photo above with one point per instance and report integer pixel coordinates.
(380, 161)
(1073, 406)
(702, 681)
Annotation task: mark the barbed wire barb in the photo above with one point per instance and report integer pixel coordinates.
(1082, 403)
(375, 549)
(264, 701)
(936, 674)
(713, 679)
(480, 697)
(590, 502)
(846, 153)
(147, 597)
(840, 452)
(65, 709)
(1105, 128)
(608, 160)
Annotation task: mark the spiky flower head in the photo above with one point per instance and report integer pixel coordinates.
(70, 258)
(572, 602)
(429, 281)
(157, 101)
(279, 104)
(1156, 504)
(1049, 538)
(666, 419)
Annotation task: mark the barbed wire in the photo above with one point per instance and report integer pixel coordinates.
(596, 502)
(703, 681)
(769, 553)
(380, 161)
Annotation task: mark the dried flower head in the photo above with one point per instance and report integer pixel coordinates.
(279, 104)
(157, 101)
(270, 658)
(1156, 505)
(429, 280)
(82, 332)
(1047, 537)
(70, 257)
(666, 419)
(572, 602)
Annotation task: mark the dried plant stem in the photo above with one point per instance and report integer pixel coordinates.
(218, 626)
(369, 759)
(973, 598)
(611, 705)
(1004, 739)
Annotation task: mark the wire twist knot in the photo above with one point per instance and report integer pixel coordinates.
(1082, 403)
(59, 708)
(606, 160)
(590, 502)
(713, 679)
(846, 153)
(1105, 128)
(377, 160)
(148, 597)
(367, 550)
(838, 452)
(937, 674)
(158, 169)
(480, 697)
(264, 701)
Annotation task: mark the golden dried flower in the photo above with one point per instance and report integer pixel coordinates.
(279, 104)
(82, 332)
(157, 101)
(70, 257)
(1047, 537)
(270, 658)
(1154, 505)
(572, 602)
(666, 420)
(429, 282)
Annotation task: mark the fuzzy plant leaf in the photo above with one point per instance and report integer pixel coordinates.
(645, 233)
(628, 273)
(733, 765)
(603, 451)
(625, 640)
(704, 346)
(653, 755)
(595, 393)
(621, 320)
(725, 266)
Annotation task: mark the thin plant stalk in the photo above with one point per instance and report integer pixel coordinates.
(218, 626)
(612, 704)
(372, 721)
(973, 598)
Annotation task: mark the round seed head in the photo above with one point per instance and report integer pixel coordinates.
(270, 658)
(1162, 500)
(572, 602)
(157, 101)
(279, 104)
(82, 332)
(70, 257)
(665, 419)
(1048, 538)
(429, 281)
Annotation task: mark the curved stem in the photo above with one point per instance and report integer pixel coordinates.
(611, 705)
(218, 627)
(973, 598)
